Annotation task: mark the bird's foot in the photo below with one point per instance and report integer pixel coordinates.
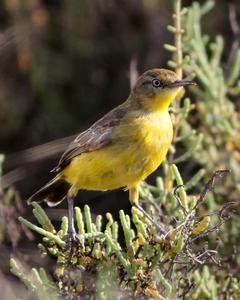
(74, 243)
(159, 227)
(73, 246)
(73, 239)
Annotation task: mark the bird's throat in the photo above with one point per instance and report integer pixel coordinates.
(160, 102)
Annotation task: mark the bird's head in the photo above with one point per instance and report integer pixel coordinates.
(156, 88)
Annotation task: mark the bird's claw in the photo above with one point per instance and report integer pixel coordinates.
(73, 240)
(73, 243)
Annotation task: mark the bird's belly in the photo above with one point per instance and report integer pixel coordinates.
(103, 169)
(112, 168)
(120, 164)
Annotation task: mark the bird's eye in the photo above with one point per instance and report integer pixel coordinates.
(156, 83)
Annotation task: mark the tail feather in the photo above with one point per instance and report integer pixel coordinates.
(53, 192)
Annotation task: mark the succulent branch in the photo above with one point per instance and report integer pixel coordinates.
(142, 262)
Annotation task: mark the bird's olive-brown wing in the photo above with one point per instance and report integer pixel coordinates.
(96, 137)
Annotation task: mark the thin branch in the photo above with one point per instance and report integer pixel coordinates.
(210, 184)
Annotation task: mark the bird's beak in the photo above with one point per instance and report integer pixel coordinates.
(180, 83)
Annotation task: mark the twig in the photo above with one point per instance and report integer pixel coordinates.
(133, 73)
(210, 184)
(178, 38)
(233, 20)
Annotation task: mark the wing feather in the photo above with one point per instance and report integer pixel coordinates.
(96, 137)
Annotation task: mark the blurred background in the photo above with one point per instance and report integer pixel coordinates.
(63, 64)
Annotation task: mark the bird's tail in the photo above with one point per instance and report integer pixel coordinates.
(53, 192)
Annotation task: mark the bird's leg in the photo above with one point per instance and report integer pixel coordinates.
(72, 234)
(134, 197)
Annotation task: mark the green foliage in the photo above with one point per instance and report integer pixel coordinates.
(215, 139)
(144, 264)
(38, 282)
(214, 118)
(216, 110)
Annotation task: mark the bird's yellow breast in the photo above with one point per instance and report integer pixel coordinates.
(139, 144)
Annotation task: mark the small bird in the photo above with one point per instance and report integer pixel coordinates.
(121, 149)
